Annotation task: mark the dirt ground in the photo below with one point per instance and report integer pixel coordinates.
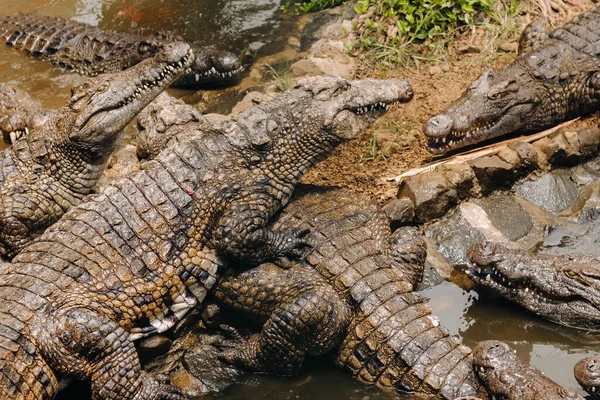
(396, 142)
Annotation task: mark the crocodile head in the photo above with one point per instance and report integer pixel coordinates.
(17, 112)
(305, 123)
(496, 104)
(563, 289)
(490, 357)
(211, 67)
(101, 107)
(587, 373)
(157, 123)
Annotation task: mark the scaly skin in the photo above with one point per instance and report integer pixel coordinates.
(350, 291)
(131, 260)
(587, 373)
(557, 80)
(55, 166)
(509, 378)
(18, 113)
(91, 51)
(563, 289)
(162, 120)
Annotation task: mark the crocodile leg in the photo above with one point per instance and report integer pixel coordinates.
(86, 345)
(242, 233)
(302, 315)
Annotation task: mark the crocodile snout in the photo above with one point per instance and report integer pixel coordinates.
(439, 126)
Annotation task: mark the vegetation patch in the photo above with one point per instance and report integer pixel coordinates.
(311, 5)
(398, 31)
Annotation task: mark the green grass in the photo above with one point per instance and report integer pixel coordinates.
(311, 5)
(282, 78)
(398, 31)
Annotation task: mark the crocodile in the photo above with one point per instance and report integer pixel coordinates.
(353, 290)
(587, 373)
(55, 166)
(91, 51)
(557, 79)
(563, 289)
(133, 259)
(507, 377)
(18, 113)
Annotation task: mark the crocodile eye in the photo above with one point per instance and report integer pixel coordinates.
(495, 96)
(570, 273)
(102, 88)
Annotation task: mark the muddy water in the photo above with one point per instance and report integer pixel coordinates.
(230, 24)
(238, 24)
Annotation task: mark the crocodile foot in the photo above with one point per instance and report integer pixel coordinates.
(293, 245)
(237, 350)
(160, 388)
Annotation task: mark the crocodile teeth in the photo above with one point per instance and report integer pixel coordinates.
(488, 278)
(197, 77)
(13, 137)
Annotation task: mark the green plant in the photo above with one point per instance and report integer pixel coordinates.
(307, 6)
(413, 29)
(281, 77)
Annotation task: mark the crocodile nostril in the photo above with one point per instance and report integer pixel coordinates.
(440, 125)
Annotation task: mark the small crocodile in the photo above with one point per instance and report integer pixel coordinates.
(19, 113)
(55, 166)
(557, 79)
(133, 259)
(563, 289)
(353, 290)
(91, 51)
(507, 377)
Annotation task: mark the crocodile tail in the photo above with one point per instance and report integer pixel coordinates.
(40, 36)
(397, 343)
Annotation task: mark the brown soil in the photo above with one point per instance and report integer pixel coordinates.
(399, 139)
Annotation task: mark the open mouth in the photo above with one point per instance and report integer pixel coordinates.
(456, 139)
(373, 108)
(167, 74)
(492, 277)
(213, 72)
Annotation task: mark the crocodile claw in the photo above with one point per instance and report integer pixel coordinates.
(294, 246)
(160, 388)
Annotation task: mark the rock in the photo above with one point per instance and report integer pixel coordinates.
(492, 173)
(431, 194)
(343, 66)
(435, 70)
(250, 100)
(452, 237)
(436, 270)
(305, 68)
(446, 67)
(294, 42)
(589, 140)
(468, 49)
(327, 49)
(153, 347)
(462, 178)
(559, 150)
(552, 192)
(400, 211)
(509, 47)
(507, 215)
(528, 157)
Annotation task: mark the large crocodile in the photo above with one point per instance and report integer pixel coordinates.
(91, 51)
(134, 258)
(558, 79)
(564, 289)
(56, 165)
(350, 291)
(507, 377)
